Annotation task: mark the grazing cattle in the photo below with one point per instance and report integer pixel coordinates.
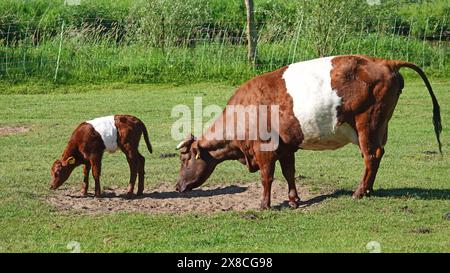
(324, 104)
(88, 143)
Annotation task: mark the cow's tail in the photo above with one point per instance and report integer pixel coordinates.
(436, 109)
(146, 138)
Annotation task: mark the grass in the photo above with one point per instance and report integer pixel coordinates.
(104, 62)
(412, 188)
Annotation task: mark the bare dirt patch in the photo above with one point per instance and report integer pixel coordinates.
(10, 130)
(163, 199)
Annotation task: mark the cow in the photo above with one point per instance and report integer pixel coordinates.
(91, 139)
(324, 104)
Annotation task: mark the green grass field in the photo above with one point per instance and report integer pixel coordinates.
(412, 191)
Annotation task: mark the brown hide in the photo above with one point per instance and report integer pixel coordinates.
(86, 148)
(369, 89)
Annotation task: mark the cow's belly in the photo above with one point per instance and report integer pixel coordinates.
(329, 140)
(315, 105)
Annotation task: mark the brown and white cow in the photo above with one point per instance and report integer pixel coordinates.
(324, 104)
(90, 140)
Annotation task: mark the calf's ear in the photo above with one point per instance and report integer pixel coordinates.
(70, 161)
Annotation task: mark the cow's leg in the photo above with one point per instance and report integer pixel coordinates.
(372, 152)
(133, 164)
(96, 164)
(288, 168)
(267, 171)
(85, 186)
(141, 172)
(370, 185)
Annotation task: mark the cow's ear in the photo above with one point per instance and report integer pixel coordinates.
(198, 151)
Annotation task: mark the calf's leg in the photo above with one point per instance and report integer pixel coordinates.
(141, 172)
(96, 164)
(288, 168)
(133, 164)
(85, 186)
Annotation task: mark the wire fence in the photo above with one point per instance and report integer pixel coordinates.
(96, 49)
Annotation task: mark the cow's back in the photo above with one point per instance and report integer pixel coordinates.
(308, 104)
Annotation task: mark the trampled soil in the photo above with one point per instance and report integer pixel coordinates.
(10, 130)
(163, 199)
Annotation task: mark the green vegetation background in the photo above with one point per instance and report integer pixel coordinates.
(150, 41)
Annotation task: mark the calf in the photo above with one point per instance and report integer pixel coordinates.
(88, 143)
(323, 104)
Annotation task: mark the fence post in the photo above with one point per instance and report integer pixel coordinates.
(6, 50)
(59, 52)
(424, 42)
(251, 32)
(408, 40)
(441, 59)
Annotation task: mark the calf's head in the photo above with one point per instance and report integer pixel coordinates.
(61, 170)
(196, 165)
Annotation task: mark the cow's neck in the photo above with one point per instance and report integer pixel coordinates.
(220, 150)
(70, 150)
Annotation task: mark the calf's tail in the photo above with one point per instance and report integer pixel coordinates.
(436, 109)
(146, 138)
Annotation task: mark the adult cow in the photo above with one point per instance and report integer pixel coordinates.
(324, 104)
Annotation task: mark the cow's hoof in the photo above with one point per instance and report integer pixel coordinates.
(129, 195)
(265, 207)
(293, 205)
(84, 192)
(358, 194)
(140, 193)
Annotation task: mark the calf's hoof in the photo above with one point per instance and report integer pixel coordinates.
(264, 206)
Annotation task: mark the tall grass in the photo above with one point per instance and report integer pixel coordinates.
(148, 41)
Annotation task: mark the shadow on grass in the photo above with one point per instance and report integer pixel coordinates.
(418, 193)
(315, 200)
(169, 194)
(195, 193)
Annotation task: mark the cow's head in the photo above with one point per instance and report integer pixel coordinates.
(61, 171)
(197, 164)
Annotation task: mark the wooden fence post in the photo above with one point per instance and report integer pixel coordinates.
(251, 32)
